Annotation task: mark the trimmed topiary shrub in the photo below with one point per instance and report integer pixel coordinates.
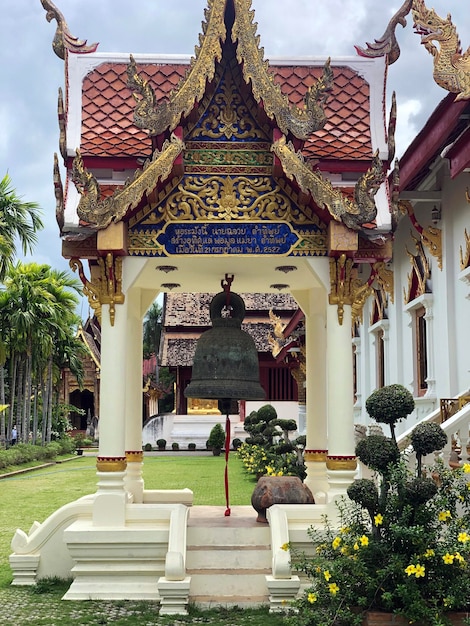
(390, 404)
(148, 447)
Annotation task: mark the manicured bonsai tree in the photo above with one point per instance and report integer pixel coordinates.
(390, 404)
(216, 439)
(269, 443)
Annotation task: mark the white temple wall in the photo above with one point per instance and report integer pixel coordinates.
(448, 311)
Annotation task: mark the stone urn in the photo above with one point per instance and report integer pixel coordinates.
(279, 490)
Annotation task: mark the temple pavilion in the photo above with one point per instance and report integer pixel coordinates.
(181, 171)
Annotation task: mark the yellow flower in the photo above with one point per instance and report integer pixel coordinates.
(444, 515)
(448, 558)
(411, 569)
(344, 530)
(285, 547)
(345, 550)
(333, 588)
(356, 546)
(336, 542)
(459, 557)
(327, 575)
(378, 519)
(419, 571)
(466, 468)
(429, 552)
(463, 537)
(312, 597)
(364, 540)
(280, 473)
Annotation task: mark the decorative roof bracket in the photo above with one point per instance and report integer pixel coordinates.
(105, 287)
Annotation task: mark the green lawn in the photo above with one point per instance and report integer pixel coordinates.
(36, 494)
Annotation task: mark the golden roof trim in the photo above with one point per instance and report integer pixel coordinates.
(352, 214)
(101, 213)
(290, 118)
(157, 117)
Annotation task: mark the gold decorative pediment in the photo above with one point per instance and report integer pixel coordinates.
(158, 117)
(353, 214)
(101, 213)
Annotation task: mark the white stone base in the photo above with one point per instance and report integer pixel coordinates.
(174, 596)
(282, 592)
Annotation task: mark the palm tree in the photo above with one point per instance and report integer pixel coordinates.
(152, 329)
(37, 313)
(18, 220)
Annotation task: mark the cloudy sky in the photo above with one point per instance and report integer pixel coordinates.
(32, 73)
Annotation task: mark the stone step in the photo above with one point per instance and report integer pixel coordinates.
(233, 558)
(227, 558)
(228, 586)
(244, 601)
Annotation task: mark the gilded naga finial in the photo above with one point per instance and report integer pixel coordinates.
(63, 39)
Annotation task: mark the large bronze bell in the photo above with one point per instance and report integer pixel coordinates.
(226, 361)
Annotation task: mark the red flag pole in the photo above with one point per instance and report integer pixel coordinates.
(227, 450)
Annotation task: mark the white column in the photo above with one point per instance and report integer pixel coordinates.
(133, 440)
(109, 505)
(341, 462)
(316, 401)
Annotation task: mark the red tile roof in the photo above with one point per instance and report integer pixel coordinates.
(108, 128)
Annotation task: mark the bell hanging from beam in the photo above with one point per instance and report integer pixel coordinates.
(226, 361)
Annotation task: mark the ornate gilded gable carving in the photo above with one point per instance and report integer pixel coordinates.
(420, 275)
(229, 115)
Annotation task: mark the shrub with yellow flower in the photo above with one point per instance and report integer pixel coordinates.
(402, 543)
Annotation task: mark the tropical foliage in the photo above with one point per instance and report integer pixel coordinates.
(37, 338)
(401, 543)
(19, 221)
(161, 379)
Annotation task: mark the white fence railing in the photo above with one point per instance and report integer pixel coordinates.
(454, 418)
